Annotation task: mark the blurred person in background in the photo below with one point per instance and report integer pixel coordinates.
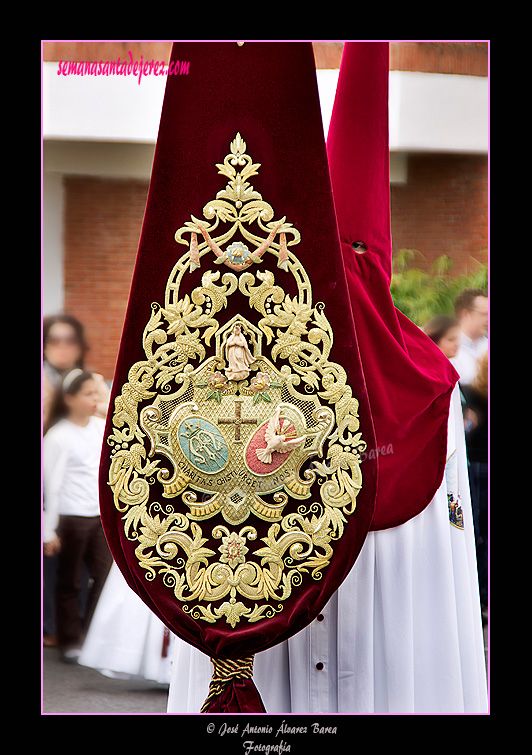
(471, 309)
(72, 528)
(444, 330)
(64, 348)
(126, 640)
(446, 333)
(476, 418)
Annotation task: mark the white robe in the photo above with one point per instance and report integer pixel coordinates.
(403, 634)
(125, 638)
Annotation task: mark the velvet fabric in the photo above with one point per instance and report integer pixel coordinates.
(268, 93)
(409, 380)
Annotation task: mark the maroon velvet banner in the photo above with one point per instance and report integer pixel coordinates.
(409, 380)
(256, 101)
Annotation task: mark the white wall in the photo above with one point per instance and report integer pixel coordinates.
(115, 159)
(435, 112)
(52, 247)
(428, 111)
(113, 108)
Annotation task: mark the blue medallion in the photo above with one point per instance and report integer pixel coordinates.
(203, 444)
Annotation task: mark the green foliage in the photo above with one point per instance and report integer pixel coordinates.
(420, 295)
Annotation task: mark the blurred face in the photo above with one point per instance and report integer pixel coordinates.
(62, 349)
(450, 342)
(474, 321)
(84, 403)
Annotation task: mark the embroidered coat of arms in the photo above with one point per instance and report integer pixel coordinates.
(236, 419)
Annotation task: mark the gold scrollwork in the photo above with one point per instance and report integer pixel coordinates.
(178, 395)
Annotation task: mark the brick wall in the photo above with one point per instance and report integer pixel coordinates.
(443, 209)
(103, 221)
(466, 58)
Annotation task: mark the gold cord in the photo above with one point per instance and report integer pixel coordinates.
(226, 669)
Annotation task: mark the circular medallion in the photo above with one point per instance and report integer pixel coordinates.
(258, 441)
(203, 444)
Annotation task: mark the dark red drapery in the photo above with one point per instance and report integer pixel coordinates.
(267, 92)
(409, 380)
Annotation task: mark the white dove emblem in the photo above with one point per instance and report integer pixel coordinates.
(276, 442)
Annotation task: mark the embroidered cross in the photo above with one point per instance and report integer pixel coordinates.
(237, 420)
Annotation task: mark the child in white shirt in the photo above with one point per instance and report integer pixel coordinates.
(71, 522)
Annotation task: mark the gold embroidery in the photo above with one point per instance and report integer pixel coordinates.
(235, 448)
(240, 205)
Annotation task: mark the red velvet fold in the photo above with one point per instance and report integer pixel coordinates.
(409, 380)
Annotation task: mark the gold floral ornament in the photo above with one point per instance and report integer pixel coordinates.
(227, 434)
(233, 549)
(240, 206)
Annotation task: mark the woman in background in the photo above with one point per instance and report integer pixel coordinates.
(71, 526)
(445, 332)
(64, 348)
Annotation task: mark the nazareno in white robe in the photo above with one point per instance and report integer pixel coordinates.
(125, 638)
(403, 634)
